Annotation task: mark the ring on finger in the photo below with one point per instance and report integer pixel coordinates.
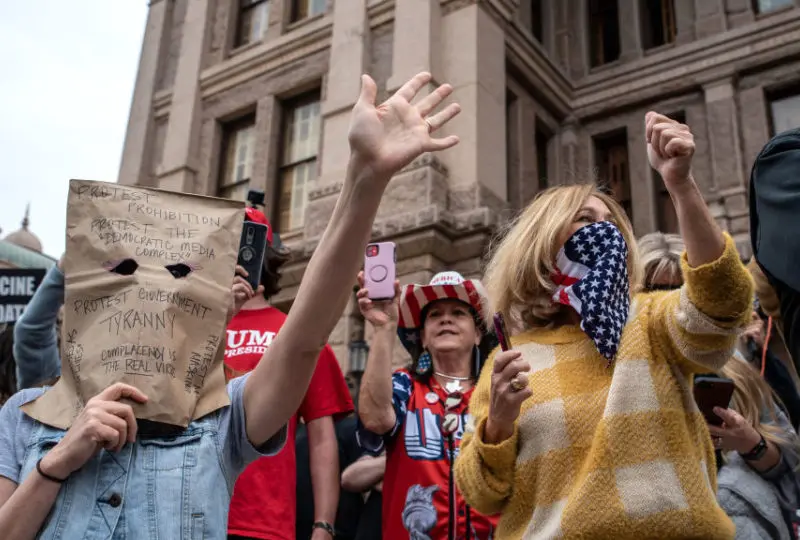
(517, 384)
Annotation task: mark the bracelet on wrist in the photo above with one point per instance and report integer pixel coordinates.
(47, 476)
(757, 452)
(325, 526)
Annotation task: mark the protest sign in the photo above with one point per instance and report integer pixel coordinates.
(17, 287)
(148, 275)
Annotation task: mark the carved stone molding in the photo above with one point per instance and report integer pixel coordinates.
(326, 190)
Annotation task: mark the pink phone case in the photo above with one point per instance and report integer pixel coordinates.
(379, 270)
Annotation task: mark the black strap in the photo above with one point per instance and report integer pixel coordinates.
(757, 452)
(324, 525)
(451, 496)
(469, 523)
(47, 476)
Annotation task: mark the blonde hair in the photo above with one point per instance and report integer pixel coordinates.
(660, 256)
(755, 400)
(518, 274)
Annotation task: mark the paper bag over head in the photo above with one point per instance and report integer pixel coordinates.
(147, 289)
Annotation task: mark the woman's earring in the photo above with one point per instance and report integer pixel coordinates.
(424, 363)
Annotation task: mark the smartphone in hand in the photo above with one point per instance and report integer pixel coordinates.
(710, 392)
(252, 250)
(501, 331)
(380, 270)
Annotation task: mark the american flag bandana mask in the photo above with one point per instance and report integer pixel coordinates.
(592, 277)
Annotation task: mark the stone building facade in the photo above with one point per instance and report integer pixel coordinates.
(234, 95)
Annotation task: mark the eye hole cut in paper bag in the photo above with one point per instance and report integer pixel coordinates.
(148, 276)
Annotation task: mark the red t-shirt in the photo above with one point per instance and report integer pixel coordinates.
(263, 503)
(418, 490)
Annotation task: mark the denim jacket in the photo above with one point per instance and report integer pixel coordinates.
(163, 488)
(167, 488)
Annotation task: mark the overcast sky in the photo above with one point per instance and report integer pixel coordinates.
(68, 71)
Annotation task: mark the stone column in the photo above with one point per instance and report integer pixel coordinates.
(630, 33)
(417, 41)
(641, 178)
(726, 157)
(265, 158)
(134, 166)
(525, 16)
(514, 151)
(709, 17)
(739, 12)
(684, 21)
(529, 164)
(570, 31)
(568, 141)
(349, 47)
(473, 55)
(279, 16)
(754, 115)
(179, 165)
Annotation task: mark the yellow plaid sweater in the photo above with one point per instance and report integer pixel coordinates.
(620, 452)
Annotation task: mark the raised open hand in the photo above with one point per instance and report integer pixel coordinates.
(670, 148)
(388, 137)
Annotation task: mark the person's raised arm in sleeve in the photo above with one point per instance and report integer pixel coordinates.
(383, 139)
(701, 321)
(35, 333)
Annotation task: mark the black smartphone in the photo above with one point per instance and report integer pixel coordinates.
(501, 331)
(710, 392)
(255, 197)
(252, 250)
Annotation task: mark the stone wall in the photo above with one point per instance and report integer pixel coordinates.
(724, 66)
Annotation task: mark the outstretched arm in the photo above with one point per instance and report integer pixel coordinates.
(383, 140)
(701, 321)
(376, 398)
(364, 474)
(35, 339)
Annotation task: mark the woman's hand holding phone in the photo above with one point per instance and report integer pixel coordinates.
(735, 433)
(380, 313)
(509, 387)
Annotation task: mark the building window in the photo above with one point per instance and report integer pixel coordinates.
(785, 113)
(611, 157)
(301, 133)
(768, 6)
(253, 21)
(537, 23)
(604, 31)
(542, 142)
(303, 9)
(238, 142)
(658, 22)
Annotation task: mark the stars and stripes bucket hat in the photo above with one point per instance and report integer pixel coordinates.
(444, 286)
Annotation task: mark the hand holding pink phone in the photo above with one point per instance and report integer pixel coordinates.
(380, 270)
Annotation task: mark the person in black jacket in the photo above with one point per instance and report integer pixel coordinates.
(775, 371)
(774, 225)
